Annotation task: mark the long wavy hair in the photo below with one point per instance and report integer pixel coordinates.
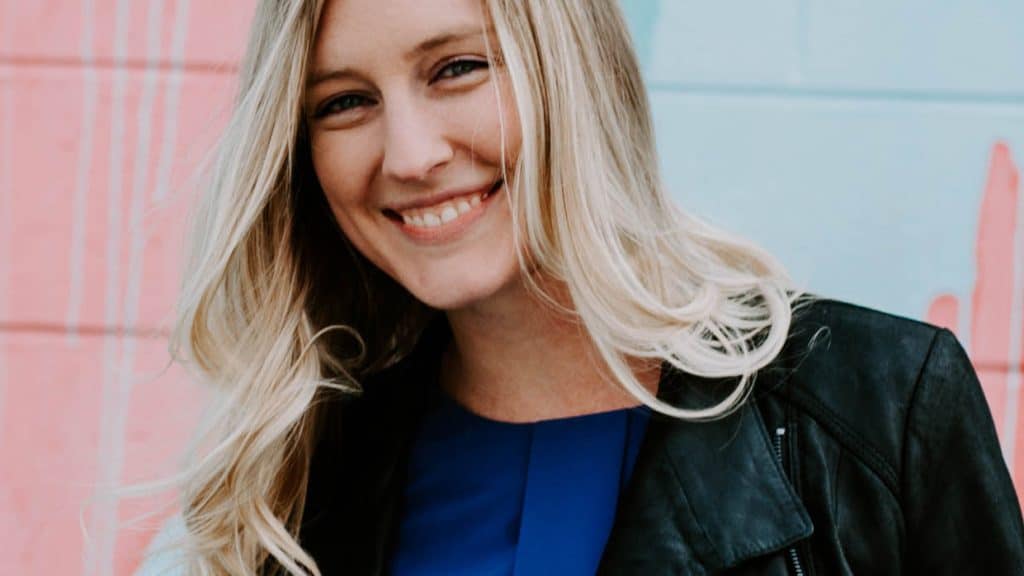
(278, 311)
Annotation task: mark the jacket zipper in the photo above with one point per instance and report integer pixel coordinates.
(794, 559)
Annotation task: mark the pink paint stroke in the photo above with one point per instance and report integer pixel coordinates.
(993, 297)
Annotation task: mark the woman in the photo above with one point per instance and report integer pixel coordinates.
(459, 327)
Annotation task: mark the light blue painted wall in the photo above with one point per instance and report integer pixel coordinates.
(851, 138)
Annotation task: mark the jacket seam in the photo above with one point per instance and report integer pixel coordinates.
(793, 441)
(911, 404)
(847, 438)
(836, 510)
(918, 385)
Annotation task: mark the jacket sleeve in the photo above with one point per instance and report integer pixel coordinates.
(961, 511)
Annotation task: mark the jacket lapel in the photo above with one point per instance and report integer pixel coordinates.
(703, 496)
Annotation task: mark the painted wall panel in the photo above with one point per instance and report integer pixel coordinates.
(217, 31)
(162, 406)
(943, 50)
(110, 32)
(843, 190)
(707, 43)
(99, 160)
(78, 419)
(916, 45)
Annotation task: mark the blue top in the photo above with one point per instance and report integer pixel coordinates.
(484, 497)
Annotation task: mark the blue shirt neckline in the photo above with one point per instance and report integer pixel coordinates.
(457, 407)
(484, 496)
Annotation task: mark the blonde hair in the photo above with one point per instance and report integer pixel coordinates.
(275, 327)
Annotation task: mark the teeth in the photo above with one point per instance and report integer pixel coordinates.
(451, 211)
(449, 214)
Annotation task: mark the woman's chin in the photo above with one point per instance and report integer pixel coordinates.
(452, 296)
(452, 300)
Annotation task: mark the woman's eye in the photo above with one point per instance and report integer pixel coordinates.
(342, 103)
(459, 68)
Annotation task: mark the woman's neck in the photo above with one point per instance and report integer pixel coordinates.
(515, 359)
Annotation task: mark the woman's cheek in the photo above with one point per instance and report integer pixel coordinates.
(344, 183)
(510, 115)
(506, 126)
(481, 120)
(344, 197)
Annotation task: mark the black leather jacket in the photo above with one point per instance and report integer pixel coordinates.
(867, 447)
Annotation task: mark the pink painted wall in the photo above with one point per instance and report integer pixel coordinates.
(991, 316)
(105, 108)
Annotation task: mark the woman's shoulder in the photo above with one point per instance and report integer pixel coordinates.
(842, 352)
(813, 313)
(867, 377)
(843, 343)
(164, 556)
(900, 398)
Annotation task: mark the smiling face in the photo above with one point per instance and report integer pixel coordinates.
(405, 125)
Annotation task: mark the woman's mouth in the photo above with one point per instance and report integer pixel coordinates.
(445, 221)
(443, 213)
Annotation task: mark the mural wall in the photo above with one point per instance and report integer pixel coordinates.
(873, 147)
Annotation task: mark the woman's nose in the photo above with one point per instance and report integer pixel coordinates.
(415, 142)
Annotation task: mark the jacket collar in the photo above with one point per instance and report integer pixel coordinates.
(704, 496)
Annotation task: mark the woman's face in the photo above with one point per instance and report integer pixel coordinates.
(406, 139)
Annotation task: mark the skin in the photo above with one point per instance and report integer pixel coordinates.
(390, 125)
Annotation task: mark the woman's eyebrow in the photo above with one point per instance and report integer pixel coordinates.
(320, 76)
(423, 47)
(442, 39)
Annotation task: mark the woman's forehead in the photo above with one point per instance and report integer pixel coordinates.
(353, 30)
